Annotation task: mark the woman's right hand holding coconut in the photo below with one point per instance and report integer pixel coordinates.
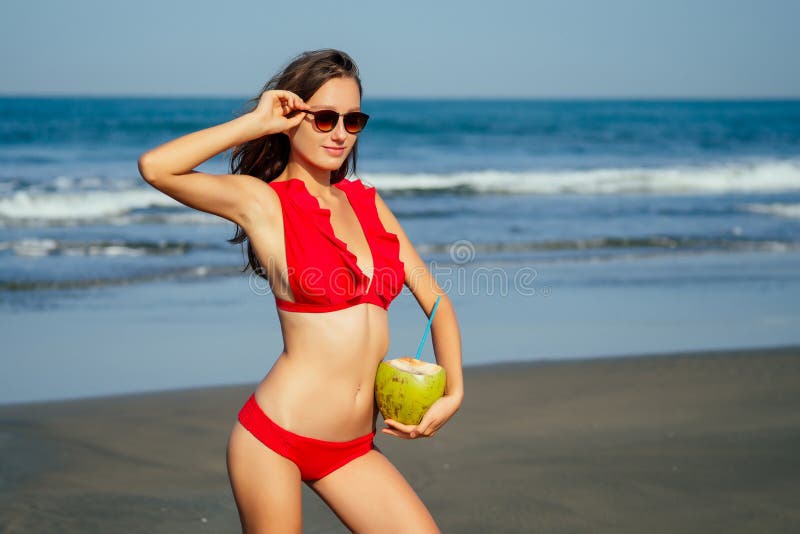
(435, 417)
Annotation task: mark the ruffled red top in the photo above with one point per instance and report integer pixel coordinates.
(323, 273)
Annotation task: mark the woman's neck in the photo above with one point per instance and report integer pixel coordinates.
(318, 181)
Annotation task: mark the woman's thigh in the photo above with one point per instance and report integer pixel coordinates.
(369, 494)
(266, 485)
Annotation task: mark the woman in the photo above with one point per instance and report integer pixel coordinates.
(334, 256)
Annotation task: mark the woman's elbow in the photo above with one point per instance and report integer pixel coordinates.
(146, 168)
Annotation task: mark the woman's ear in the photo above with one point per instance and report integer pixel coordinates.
(290, 132)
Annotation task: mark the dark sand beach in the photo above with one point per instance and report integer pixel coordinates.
(693, 442)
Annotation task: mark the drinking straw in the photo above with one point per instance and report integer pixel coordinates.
(430, 320)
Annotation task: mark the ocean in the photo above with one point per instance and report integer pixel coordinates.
(656, 208)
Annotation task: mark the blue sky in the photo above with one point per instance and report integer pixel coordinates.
(561, 49)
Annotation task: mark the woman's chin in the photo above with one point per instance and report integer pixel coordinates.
(332, 164)
(326, 162)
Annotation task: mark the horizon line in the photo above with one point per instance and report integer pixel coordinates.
(687, 97)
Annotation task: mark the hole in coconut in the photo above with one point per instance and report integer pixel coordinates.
(414, 366)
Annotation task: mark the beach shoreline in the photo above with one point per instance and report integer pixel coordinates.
(691, 441)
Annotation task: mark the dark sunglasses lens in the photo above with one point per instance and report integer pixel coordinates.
(355, 122)
(326, 120)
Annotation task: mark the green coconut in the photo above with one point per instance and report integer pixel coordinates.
(406, 387)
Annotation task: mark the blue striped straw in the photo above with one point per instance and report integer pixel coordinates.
(427, 328)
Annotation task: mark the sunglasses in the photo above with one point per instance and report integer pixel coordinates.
(327, 119)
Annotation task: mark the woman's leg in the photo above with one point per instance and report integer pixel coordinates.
(266, 485)
(369, 494)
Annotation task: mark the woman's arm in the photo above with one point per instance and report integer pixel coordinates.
(236, 197)
(445, 334)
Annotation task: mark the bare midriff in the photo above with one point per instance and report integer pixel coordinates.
(322, 384)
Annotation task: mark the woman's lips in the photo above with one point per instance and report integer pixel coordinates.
(334, 151)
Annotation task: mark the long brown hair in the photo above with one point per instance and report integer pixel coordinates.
(266, 157)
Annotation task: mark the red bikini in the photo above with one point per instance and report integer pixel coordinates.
(324, 276)
(323, 273)
(314, 457)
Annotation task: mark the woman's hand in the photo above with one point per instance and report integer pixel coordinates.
(270, 115)
(436, 416)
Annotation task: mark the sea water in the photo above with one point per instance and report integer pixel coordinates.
(560, 228)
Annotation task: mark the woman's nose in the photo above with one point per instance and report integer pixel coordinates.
(339, 133)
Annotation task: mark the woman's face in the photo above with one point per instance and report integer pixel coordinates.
(327, 150)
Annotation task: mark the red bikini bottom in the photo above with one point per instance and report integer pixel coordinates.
(315, 457)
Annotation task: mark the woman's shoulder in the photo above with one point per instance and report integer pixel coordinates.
(356, 181)
(358, 185)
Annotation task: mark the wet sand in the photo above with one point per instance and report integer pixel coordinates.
(692, 442)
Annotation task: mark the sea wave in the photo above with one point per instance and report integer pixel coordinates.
(27, 208)
(488, 255)
(763, 177)
(38, 247)
(83, 205)
(133, 204)
(779, 209)
(734, 242)
(181, 273)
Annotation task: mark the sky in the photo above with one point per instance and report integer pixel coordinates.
(460, 49)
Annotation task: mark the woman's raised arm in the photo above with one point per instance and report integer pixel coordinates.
(236, 197)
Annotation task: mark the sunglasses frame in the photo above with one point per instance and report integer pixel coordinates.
(336, 120)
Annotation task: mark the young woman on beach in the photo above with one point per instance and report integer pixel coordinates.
(335, 257)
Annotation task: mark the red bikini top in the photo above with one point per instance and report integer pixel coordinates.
(323, 274)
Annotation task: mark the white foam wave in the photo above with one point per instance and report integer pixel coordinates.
(778, 209)
(772, 176)
(67, 183)
(85, 205)
(34, 247)
(38, 247)
(192, 217)
(115, 206)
